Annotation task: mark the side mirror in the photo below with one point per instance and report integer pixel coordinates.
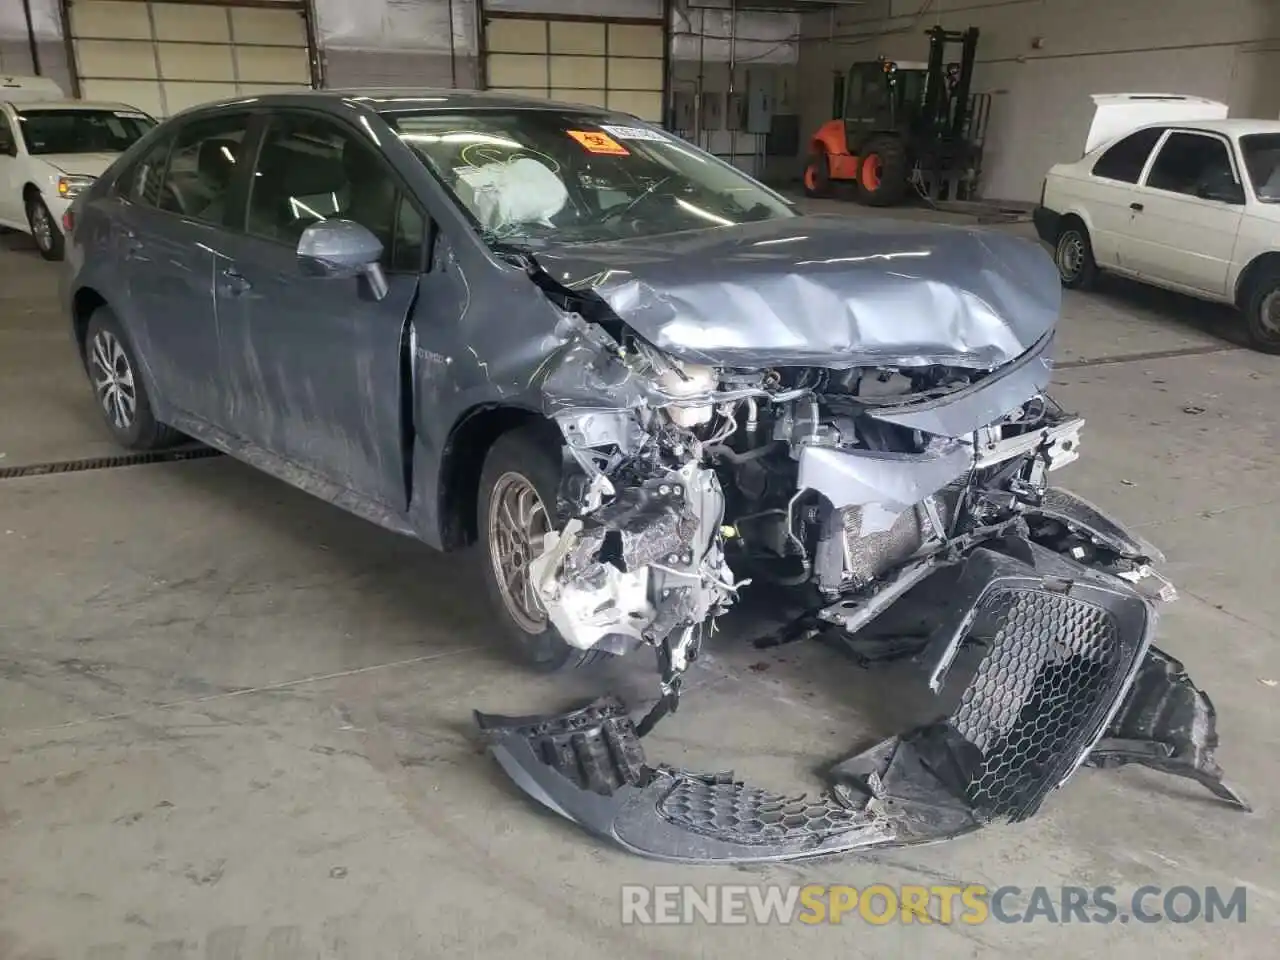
(343, 248)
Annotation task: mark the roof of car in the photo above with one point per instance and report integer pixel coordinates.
(385, 99)
(27, 105)
(1229, 128)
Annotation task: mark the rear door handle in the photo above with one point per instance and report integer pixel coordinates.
(1136, 207)
(233, 283)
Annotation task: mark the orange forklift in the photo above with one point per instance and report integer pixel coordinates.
(899, 121)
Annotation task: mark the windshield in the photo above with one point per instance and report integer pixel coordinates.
(541, 174)
(1262, 160)
(81, 131)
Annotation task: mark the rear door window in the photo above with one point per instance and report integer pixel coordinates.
(1125, 160)
(145, 179)
(205, 156)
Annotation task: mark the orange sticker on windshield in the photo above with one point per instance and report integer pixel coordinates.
(596, 142)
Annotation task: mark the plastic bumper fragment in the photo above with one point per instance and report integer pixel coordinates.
(1066, 668)
(588, 765)
(1169, 724)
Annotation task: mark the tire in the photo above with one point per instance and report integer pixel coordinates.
(817, 175)
(122, 399)
(45, 231)
(883, 172)
(1262, 313)
(1073, 255)
(522, 460)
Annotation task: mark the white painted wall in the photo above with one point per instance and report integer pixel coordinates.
(1225, 49)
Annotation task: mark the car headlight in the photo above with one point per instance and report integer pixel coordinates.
(71, 187)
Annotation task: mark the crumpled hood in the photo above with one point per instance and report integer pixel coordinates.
(825, 291)
(79, 164)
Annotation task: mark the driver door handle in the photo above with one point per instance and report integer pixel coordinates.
(233, 283)
(132, 245)
(1136, 207)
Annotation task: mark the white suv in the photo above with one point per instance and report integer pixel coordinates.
(51, 150)
(1172, 193)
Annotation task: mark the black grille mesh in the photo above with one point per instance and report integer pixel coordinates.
(740, 814)
(1037, 695)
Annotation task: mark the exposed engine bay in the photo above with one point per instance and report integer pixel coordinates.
(702, 480)
(684, 483)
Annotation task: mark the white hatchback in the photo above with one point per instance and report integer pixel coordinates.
(50, 151)
(1172, 193)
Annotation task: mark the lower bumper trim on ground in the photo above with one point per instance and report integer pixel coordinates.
(1067, 668)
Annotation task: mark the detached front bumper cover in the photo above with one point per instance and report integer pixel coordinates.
(1068, 675)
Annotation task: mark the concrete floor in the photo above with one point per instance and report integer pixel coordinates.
(235, 722)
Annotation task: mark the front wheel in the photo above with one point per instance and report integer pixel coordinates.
(47, 235)
(517, 504)
(1262, 314)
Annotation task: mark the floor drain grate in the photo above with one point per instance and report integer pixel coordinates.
(107, 463)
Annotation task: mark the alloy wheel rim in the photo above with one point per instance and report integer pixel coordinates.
(113, 379)
(518, 523)
(42, 227)
(1070, 254)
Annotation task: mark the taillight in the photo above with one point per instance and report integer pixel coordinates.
(68, 222)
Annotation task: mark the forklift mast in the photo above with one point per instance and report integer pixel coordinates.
(946, 105)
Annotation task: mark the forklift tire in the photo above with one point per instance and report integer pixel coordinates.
(817, 175)
(883, 172)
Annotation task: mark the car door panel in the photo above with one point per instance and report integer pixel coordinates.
(315, 363)
(167, 268)
(169, 240)
(314, 374)
(1183, 241)
(1175, 237)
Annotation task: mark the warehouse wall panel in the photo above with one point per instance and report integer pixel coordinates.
(601, 62)
(166, 56)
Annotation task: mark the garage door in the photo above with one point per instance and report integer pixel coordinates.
(164, 57)
(600, 62)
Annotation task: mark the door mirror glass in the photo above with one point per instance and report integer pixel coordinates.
(342, 248)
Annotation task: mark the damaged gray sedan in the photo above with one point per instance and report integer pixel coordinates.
(644, 385)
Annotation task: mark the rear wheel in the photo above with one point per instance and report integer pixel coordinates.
(817, 175)
(883, 173)
(517, 503)
(1073, 254)
(117, 385)
(46, 233)
(1262, 313)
